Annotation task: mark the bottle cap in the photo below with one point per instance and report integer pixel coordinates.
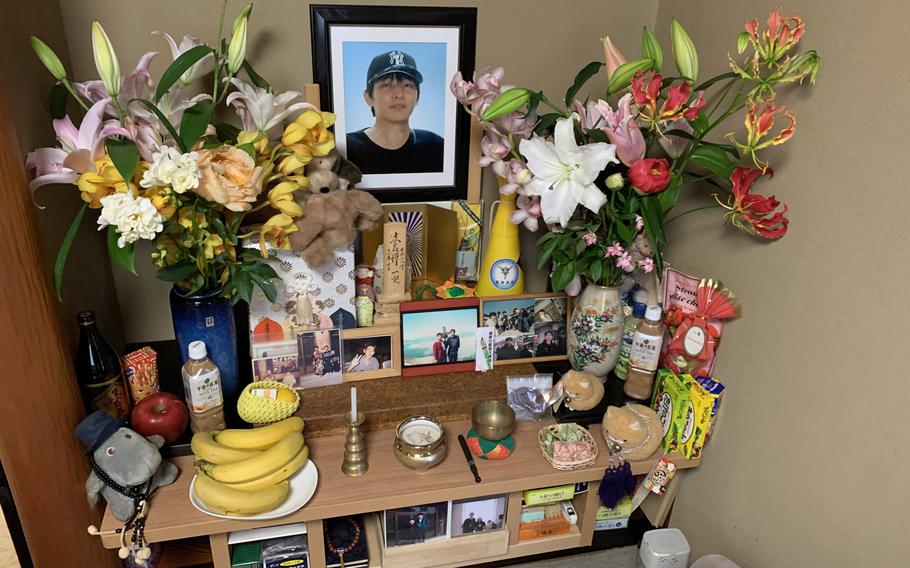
(197, 350)
(638, 310)
(653, 313)
(85, 318)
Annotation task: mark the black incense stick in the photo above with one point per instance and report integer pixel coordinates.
(469, 457)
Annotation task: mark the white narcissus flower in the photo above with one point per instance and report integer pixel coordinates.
(135, 217)
(564, 172)
(170, 168)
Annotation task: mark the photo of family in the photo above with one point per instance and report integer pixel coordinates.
(412, 525)
(439, 337)
(475, 516)
(527, 327)
(320, 352)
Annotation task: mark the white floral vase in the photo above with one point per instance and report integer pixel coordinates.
(595, 330)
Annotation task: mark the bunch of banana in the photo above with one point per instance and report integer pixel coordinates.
(245, 472)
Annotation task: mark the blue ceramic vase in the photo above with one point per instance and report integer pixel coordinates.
(208, 317)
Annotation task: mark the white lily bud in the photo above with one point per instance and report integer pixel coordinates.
(105, 60)
(683, 51)
(615, 181)
(49, 58)
(237, 47)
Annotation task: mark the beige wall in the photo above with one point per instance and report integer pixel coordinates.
(799, 472)
(280, 47)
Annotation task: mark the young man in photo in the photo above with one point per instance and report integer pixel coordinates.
(453, 343)
(469, 524)
(507, 350)
(391, 146)
(549, 346)
(522, 349)
(439, 349)
(365, 360)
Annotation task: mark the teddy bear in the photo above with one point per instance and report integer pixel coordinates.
(583, 391)
(332, 214)
(635, 428)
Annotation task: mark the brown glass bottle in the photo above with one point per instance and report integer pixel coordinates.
(98, 370)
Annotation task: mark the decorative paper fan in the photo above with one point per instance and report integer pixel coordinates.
(413, 220)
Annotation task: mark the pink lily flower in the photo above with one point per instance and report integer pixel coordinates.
(136, 85)
(527, 212)
(79, 148)
(465, 91)
(518, 176)
(260, 110)
(199, 69)
(589, 115)
(612, 57)
(494, 148)
(622, 130)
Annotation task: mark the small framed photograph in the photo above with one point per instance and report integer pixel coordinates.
(381, 68)
(472, 516)
(320, 358)
(371, 353)
(529, 328)
(437, 336)
(415, 525)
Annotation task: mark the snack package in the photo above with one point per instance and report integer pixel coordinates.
(660, 475)
(468, 239)
(286, 551)
(694, 311)
(672, 402)
(140, 368)
(529, 396)
(716, 389)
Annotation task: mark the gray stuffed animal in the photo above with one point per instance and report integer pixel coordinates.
(124, 457)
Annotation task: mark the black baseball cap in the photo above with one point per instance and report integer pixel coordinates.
(390, 62)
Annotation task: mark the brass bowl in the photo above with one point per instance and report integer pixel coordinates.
(493, 420)
(420, 455)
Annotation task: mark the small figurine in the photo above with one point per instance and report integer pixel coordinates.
(363, 276)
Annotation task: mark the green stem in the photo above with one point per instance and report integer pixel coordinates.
(218, 53)
(72, 91)
(684, 213)
(550, 104)
(723, 95)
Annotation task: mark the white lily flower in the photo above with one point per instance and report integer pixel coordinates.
(260, 110)
(199, 69)
(564, 172)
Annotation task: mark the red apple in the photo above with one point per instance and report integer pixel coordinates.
(161, 413)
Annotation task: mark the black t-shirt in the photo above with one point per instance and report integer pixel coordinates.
(421, 153)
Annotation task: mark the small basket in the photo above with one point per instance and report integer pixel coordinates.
(258, 410)
(566, 465)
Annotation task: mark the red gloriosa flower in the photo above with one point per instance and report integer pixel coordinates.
(755, 214)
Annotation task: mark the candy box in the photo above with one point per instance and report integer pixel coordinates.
(659, 379)
(671, 404)
(702, 399)
(716, 388)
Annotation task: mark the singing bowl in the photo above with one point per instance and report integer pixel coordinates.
(493, 420)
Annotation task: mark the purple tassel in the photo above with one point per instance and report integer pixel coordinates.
(616, 484)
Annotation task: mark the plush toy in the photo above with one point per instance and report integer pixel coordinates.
(582, 390)
(363, 277)
(126, 469)
(635, 428)
(331, 220)
(330, 173)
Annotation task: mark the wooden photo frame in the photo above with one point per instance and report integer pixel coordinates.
(524, 324)
(386, 341)
(419, 49)
(422, 324)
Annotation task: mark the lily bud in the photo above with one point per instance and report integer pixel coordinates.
(623, 76)
(615, 181)
(683, 51)
(237, 47)
(742, 42)
(105, 60)
(650, 49)
(49, 58)
(612, 57)
(507, 102)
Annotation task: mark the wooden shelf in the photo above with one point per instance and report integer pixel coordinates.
(386, 485)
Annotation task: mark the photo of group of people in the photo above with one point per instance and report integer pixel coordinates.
(469, 517)
(414, 525)
(320, 352)
(527, 328)
(439, 337)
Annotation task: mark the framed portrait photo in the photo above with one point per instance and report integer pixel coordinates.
(437, 336)
(371, 352)
(385, 73)
(529, 328)
(472, 516)
(415, 525)
(320, 358)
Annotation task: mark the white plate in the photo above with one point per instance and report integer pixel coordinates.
(303, 485)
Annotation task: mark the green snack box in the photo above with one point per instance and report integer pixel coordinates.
(548, 495)
(662, 375)
(703, 400)
(246, 555)
(672, 400)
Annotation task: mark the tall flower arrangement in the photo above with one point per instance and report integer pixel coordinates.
(605, 175)
(150, 157)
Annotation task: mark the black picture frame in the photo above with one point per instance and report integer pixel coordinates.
(323, 18)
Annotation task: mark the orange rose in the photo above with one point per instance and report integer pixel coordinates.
(229, 176)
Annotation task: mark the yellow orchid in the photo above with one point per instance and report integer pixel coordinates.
(294, 163)
(213, 245)
(281, 197)
(166, 252)
(309, 135)
(275, 232)
(104, 181)
(191, 222)
(163, 200)
(259, 141)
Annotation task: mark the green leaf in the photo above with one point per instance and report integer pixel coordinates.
(626, 235)
(668, 197)
(581, 78)
(700, 124)
(624, 73)
(177, 272)
(714, 159)
(563, 274)
(650, 49)
(226, 132)
(57, 101)
(255, 78)
(266, 286)
(534, 102)
(167, 123)
(546, 122)
(507, 102)
(124, 155)
(546, 252)
(597, 268)
(125, 256)
(194, 122)
(652, 215)
(715, 79)
(244, 284)
(180, 66)
(65, 249)
(249, 149)
(580, 247)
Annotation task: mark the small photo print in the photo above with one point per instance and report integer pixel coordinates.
(367, 354)
(282, 368)
(321, 356)
(439, 337)
(509, 315)
(415, 525)
(274, 349)
(472, 516)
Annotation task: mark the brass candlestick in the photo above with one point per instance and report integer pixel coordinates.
(355, 450)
